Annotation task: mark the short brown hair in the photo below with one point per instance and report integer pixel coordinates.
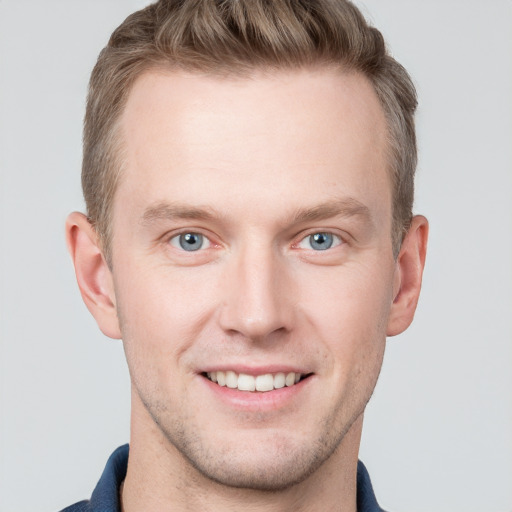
(225, 37)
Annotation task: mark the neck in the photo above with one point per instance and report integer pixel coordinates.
(160, 478)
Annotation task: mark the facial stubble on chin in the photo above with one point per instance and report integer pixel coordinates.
(288, 466)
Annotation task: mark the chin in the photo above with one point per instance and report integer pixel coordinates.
(268, 461)
(270, 471)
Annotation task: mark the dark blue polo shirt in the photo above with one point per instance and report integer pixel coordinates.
(105, 497)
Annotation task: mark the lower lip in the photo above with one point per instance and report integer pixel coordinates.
(255, 400)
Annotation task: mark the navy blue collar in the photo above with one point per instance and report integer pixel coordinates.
(105, 497)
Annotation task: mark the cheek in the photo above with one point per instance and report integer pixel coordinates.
(349, 311)
(161, 312)
(354, 291)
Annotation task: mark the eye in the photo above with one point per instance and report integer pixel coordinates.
(320, 241)
(190, 242)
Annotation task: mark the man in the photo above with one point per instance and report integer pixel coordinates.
(248, 173)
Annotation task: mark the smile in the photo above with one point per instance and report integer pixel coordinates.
(263, 383)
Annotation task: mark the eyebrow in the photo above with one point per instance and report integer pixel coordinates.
(171, 211)
(346, 207)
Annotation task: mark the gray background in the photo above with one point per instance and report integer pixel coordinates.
(438, 432)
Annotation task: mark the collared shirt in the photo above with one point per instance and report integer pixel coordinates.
(105, 497)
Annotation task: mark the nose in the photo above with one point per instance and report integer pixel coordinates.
(257, 301)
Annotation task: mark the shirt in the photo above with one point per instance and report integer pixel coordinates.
(105, 497)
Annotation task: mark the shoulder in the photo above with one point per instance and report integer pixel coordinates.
(81, 506)
(366, 500)
(105, 496)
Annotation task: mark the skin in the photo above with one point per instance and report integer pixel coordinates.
(256, 166)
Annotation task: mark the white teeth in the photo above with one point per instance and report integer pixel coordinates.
(244, 382)
(221, 378)
(231, 379)
(279, 380)
(265, 382)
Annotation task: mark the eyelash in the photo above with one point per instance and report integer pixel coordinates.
(175, 240)
(322, 236)
(335, 240)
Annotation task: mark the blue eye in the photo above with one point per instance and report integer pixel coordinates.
(190, 242)
(320, 241)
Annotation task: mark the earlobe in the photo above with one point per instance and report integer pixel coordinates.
(92, 273)
(410, 264)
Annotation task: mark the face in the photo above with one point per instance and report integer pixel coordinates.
(252, 266)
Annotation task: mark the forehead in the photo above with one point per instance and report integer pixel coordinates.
(302, 133)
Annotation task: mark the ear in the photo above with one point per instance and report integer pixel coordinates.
(409, 272)
(92, 273)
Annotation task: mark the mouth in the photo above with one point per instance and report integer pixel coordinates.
(255, 383)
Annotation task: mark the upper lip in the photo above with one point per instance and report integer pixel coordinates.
(255, 370)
